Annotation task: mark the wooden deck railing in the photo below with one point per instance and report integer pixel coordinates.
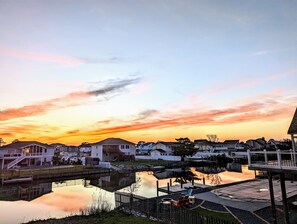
(277, 159)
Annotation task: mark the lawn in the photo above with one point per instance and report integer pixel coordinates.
(112, 217)
(221, 215)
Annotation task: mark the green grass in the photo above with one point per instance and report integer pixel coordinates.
(221, 215)
(141, 162)
(112, 217)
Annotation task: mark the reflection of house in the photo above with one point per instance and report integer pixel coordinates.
(112, 149)
(166, 147)
(234, 167)
(24, 192)
(25, 153)
(114, 182)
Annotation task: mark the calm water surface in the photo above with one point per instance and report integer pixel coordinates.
(25, 202)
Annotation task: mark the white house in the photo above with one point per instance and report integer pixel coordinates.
(167, 147)
(144, 147)
(158, 152)
(25, 153)
(112, 149)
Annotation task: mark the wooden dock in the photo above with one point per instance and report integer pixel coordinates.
(178, 188)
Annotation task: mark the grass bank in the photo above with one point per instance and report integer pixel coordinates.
(112, 217)
(220, 215)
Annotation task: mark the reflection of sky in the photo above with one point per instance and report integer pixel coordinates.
(63, 201)
(67, 199)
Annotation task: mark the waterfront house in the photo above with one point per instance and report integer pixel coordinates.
(25, 153)
(256, 144)
(112, 149)
(144, 148)
(167, 147)
(203, 145)
(158, 152)
(293, 131)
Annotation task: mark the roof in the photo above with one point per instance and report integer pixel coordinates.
(22, 144)
(202, 141)
(168, 143)
(293, 126)
(159, 150)
(231, 141)
(113, 141)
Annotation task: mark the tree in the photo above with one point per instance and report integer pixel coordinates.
(2, 142)
(212, 138)
(183, 148)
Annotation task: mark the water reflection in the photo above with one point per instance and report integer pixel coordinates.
(24, 192)
(113, 182)
(38, 200)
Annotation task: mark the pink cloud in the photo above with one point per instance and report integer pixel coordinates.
(43, 57)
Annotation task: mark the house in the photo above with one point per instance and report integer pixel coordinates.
(167, 147)
(257, 144)
(293, 132)
(112, 149)
(232, 144)
(144, 147)
(25, 153)
(203, 145)
(158, 152)
(85, 147)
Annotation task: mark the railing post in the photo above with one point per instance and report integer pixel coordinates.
(249, 157)
(265, 157)
(292, 157)
(279, 159)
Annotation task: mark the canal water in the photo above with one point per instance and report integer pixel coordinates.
(24, 202)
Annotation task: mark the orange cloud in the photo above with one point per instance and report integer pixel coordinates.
(71, 99)
(260, 111)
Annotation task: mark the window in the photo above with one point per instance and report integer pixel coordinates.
(127, 147)
(45, 150)
(122, 146)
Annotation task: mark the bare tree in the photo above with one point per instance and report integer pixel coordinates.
(212, 138)
(2, 142)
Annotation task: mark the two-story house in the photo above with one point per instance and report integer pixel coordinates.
(112, 149)
(25, 153)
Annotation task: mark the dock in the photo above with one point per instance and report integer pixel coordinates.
(178, 188)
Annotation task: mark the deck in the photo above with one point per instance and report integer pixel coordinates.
(273, 161)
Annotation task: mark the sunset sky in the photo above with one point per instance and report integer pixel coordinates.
(81, 71)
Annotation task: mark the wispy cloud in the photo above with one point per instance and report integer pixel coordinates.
(71, 99)
(41, 56)
(66, 60)
(270, 51)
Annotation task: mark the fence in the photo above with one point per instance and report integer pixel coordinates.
(155, 209)
(105, 165)
(167, 158)
(278, 159)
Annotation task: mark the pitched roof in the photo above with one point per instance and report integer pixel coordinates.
(22, 144)
(159, 150)
(293, 126)
(231, 141)
(168, 143)
(113, 141)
